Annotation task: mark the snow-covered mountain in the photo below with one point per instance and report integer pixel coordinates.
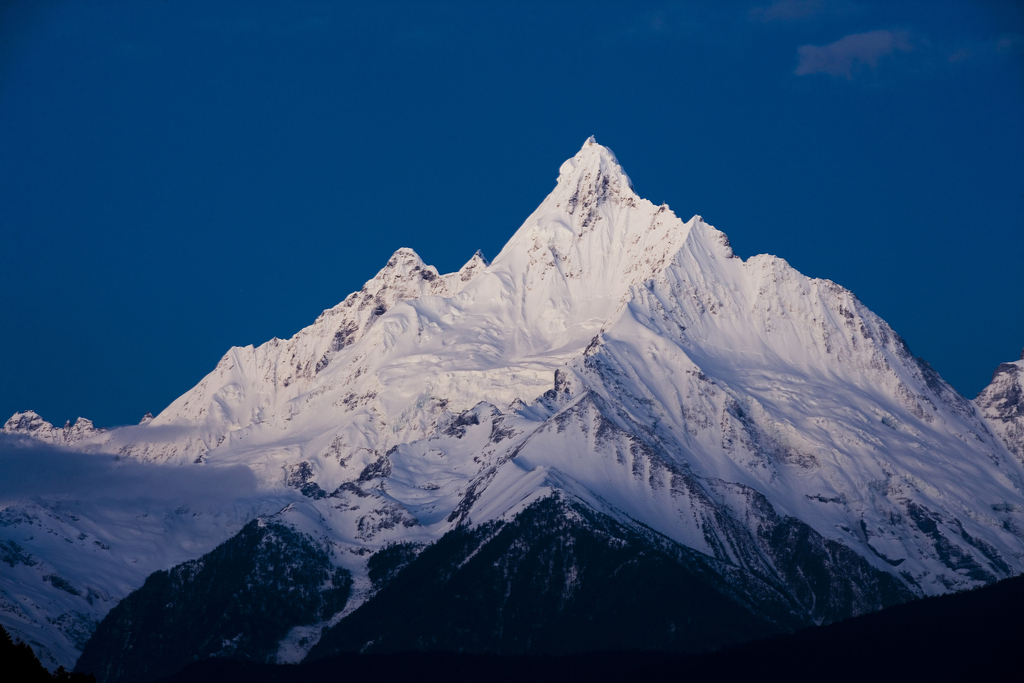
(1002, 404)
(30, 423)
(613, 366)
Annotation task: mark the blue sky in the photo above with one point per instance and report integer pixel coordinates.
(180, 177)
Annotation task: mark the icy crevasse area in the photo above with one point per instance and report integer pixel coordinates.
(611, 352)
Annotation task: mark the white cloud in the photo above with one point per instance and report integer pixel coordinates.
(846, 55)
(34, 470)
(1003, 45)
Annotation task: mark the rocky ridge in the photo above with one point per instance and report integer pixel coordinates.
(1002, 404)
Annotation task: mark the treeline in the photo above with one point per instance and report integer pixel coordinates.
(19, 663)
(975, 635)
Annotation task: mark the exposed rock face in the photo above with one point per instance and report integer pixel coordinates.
(1002, 403)
(29, 423)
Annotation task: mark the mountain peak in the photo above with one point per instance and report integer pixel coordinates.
(473, 266)
(405, 270)
(594, 160)
(25, 422)
(30, 423)
(403, 260)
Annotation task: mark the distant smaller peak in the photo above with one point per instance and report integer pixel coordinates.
(82, 428)
(404, 255)
(516, 405)
(30, 423)
(27, 420)
(402, 264)
(473, 266)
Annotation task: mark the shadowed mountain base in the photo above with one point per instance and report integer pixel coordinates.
(967, 636)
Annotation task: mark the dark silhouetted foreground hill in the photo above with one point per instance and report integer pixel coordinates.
(18, 664)
(975, 635)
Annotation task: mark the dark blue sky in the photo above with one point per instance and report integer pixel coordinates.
(177, 178)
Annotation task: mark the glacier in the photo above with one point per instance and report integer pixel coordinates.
(612, 356)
